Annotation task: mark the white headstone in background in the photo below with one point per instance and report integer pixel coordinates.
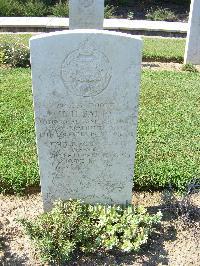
(192, 50)
(85, 88)
(86, 14)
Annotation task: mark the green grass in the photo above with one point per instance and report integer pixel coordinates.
(15, 38)
(164, 49)
(168, 150)
(168, 141)
(155, 49)
(18, 167)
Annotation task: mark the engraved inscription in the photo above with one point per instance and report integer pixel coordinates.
(86, 71)
(73, 135)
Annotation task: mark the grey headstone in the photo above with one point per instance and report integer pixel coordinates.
(86, 89)
(86, 14)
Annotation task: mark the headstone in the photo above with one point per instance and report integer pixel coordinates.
(86, 14)
(192, 51)
(85, 88)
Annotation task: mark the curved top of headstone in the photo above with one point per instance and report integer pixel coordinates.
(84, 31)
(86, 14)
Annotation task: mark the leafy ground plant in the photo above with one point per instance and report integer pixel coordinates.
(14, 55)
(73, 226)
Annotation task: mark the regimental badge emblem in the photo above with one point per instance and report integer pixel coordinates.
(86, 71)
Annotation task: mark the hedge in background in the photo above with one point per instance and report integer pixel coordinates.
(147, 2)
(15, 8)
(60, 8)
(39, 8)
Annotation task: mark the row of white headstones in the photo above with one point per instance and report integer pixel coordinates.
(85, 89)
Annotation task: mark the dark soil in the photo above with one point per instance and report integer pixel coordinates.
(141, 7)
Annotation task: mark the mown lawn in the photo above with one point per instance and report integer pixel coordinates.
(168, 143)
(168, 150)
(17, 140)
(155, 49)
(164, 49)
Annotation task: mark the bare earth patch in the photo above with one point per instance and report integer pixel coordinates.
(175, 242)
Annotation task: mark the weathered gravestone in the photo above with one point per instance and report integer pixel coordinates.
(86, 14)
(192, 51)
(85, 88)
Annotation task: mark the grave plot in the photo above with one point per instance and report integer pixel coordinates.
(166, 154)
(86, 91)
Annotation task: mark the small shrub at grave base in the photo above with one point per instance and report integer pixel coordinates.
(189, 67)
(161, 14)
(73, 226)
